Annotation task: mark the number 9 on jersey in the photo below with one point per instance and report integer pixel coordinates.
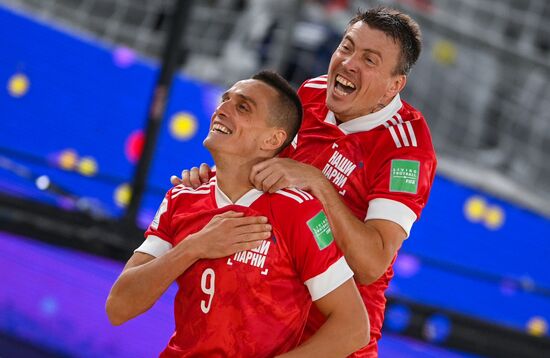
(208, 285)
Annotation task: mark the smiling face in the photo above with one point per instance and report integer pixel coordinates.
(240, 124)
(362, 73)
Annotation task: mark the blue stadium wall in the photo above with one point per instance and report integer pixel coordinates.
(73, 110)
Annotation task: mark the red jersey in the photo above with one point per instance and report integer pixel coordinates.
(254, 303)
(382, 164)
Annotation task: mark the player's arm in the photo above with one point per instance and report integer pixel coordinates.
(369, 247)
(143, 281)
(146, 277)
(346, 329)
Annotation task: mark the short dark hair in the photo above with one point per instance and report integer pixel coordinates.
(287, 112)
(400, 27)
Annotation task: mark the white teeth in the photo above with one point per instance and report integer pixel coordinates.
(221, 128)
(344, 82)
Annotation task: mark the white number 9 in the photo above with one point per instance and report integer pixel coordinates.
(207, 286)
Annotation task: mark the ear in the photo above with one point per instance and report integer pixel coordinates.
(274, 140)
(397, 83)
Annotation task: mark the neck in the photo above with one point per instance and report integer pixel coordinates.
(378, 107)
(233, 178)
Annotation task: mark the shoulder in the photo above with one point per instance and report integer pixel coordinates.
(408, 130)
(181, 193)
(312, 89)
(293, 203)
(295, 209)
(292, 197)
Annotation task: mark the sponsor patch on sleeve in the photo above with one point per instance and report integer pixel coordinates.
(320, 229)
(404, 175)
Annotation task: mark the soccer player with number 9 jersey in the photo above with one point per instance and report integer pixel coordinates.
(248, 264)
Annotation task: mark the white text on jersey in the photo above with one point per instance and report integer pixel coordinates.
(255, 257)
(338, 169)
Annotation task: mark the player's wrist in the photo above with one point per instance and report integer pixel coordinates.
(192, 247)
(321, 188)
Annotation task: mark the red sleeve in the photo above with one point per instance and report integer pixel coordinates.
(308, 237)
(161, 226)
(404, 174)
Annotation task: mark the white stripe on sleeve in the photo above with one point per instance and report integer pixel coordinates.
(315, 85)
(319, 79)
(411, 133)
(392, 210)
(326, 282)
(289, 195)
(154, 246)
(403, 135)
(394, 136)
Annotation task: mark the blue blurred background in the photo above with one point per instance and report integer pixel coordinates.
(77, 81)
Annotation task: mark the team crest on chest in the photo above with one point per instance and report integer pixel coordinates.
(255, 257)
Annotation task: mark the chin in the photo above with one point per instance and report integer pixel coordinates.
(334, 106)
(207, 143)
(330, 103)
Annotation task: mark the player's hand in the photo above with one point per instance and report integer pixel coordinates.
(192, 178)
(229, 233)
(278, 173)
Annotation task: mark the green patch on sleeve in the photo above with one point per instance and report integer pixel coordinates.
(320, 228)
(404, 176)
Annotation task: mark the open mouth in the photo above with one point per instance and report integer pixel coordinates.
(220, 128)
(343, 86)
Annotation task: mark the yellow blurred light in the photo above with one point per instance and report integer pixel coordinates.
(475, 208)
(537, 326)
(87, 166)
(123, 194)
(183, 126)
(445, 52)
(18, 85)
(68, 159)
(494, 217)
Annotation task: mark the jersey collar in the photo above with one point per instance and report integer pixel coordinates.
(369, 121)
(246, 200)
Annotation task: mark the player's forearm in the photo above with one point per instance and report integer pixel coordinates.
(340, 335)
(138, 288)
(361, 244)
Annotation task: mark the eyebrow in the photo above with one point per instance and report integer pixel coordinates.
(376, 52)
(242, 96)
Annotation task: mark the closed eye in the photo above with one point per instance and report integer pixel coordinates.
(345, 48)
(243, 107)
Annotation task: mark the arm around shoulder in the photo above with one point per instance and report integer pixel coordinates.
(369, 247)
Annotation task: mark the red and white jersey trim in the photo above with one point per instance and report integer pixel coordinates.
(246, 200)
(334, 276)
(294, 142)
(370, 121)
(392, 210)
(411, 134)
(203, 189)
(403, 133)
(154, 246)
(296, 194)
(317, 82)
(301, 193)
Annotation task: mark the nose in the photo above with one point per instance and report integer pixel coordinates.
(350, 63)
(222, 109)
